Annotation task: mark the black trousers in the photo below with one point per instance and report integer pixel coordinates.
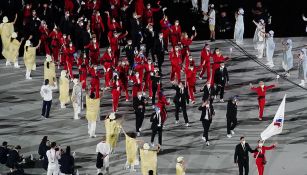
(206, 126)
(154, 92)
(220, 90)
(139, 117)
(184, 112)
(243, 165)
(154, 132)
(46, 108)
(231, 124)
(160, 60)
(149, 49)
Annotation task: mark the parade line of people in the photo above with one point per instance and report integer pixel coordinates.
(131, 66)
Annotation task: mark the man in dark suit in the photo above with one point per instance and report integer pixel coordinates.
(4, 151)
(159, 51)
(67, 162)
(129, 50)
(156, 126)
(149, 37)
(139, 110)
(207, 112)
(220, 79)
(156, 82)
(241, 156)
(136, 31)
(208, 92)
(231, 115)
(181, 99)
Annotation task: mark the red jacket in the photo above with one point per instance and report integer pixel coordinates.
(139, 7)
(114, 42)
(96, 23)
(262, 92)
(191, 75)
(165, 26)
(204, 56)
(261, 156)
(175, 60)
(107, 60)
(186, 42)
(148, 15)
(176, 33)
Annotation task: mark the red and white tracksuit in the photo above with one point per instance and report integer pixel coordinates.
(175, 57)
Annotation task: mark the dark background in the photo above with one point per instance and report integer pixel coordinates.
(286, 16)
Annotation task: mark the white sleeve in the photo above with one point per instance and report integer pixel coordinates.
(42, 92)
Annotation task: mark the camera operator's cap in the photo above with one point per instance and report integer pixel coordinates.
(28, 43)
(179, 159)
(212, 5)
(146, 146)
(112, 116)
(76, 81)
(236, 97)
(48, 58)
(14, 35)
(271, 32)
(5, 19)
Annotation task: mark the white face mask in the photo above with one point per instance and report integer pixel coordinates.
(222, 67)
(243, 142)
(176, 23)
(64, 36)
(94, 41)
(140, 96)
(137, 75)
(260, 144)
(217, 52)
(109, 50)
(262, 86)
(148, 7)
(208, 85)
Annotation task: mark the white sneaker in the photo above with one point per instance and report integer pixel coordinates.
(207, 143)
(229, 135)
(232, 132)
(187, 124)
(140, 129)
(222, 100)
(152, 144)
(176, 122)
(204, 139)
(7, 63)
(138, 134)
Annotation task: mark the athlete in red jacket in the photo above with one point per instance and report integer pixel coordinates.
(259, 155)
(175, 34)
(205, 62)
(176, 61)
(261, 92)
(107, 62)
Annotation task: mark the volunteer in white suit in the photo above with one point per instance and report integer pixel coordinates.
(287, 60)
(302, 66)
(270, 47)
(76, 98)
(239, 26)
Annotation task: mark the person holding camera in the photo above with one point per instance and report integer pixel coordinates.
(46, 93)
(53, 156)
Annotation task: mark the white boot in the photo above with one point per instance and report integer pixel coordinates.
(7, 63)
(76, 117)
(63, 105)
(28, 73)
(302, 83)
(16, 65)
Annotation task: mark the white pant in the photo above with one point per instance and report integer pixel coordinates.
(91, 128)
(238, 34)
(28, 74)
(77, 110)
(53, 170)
(194, 4)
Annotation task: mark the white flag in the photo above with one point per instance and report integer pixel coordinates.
(278, 122)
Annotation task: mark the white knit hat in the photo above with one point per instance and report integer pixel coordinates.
(48, 58)
(146, 146)
(271, 32)
(28, 43)
(179, 159)
(112, 116)
(14, 35)
(5, 19)
(63, 73)
(76, 81)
